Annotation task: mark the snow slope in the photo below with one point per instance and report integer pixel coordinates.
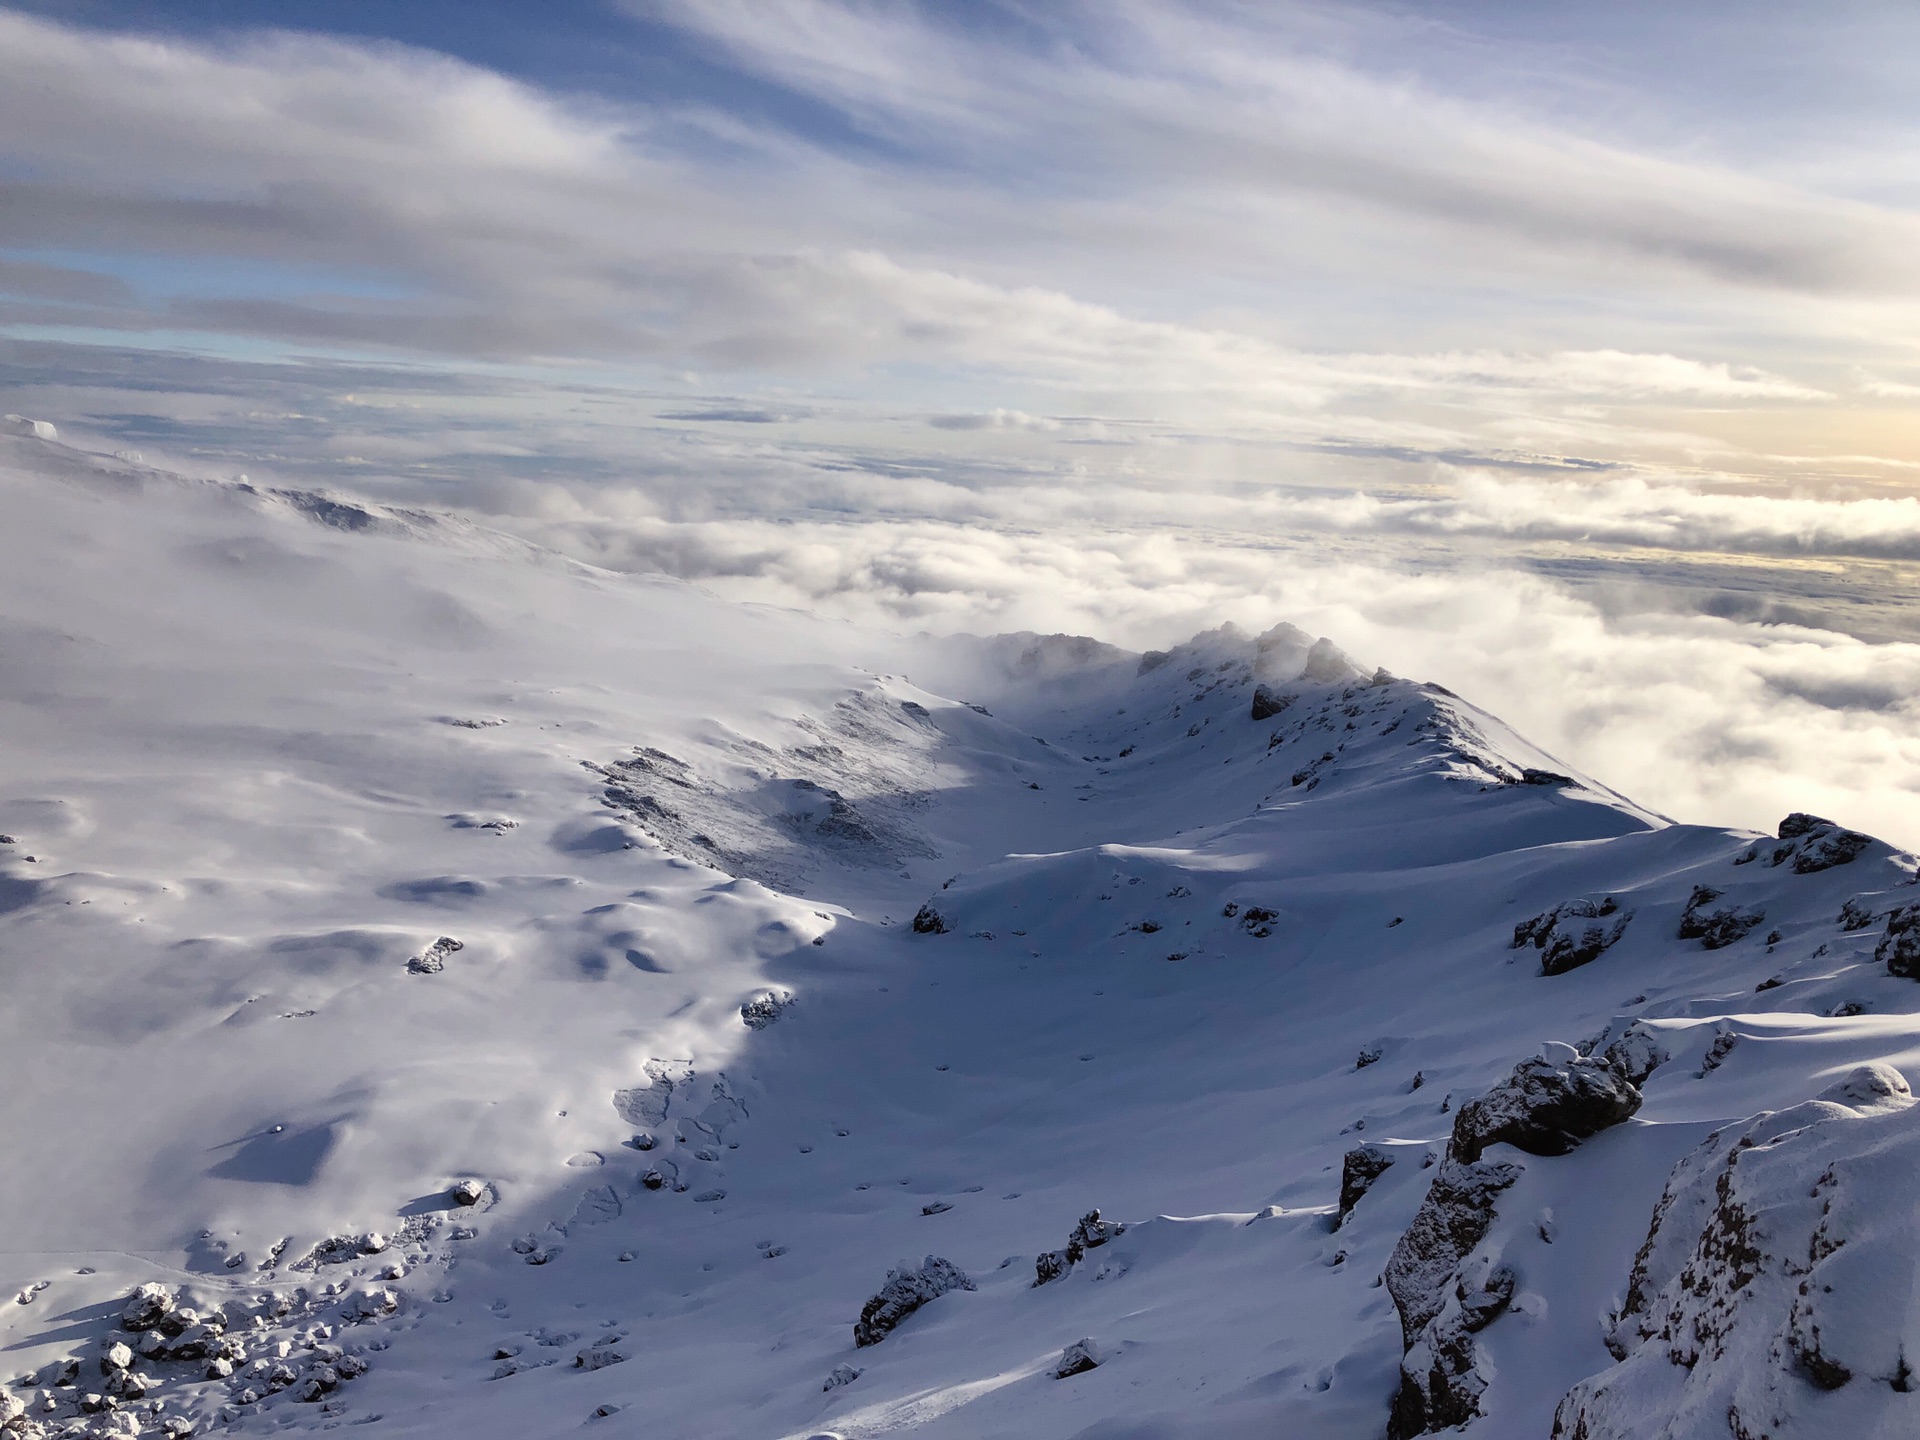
(765, 974)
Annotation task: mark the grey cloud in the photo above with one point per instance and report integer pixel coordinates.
(60, 283)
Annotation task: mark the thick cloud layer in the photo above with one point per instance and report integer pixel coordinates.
(1532, 353)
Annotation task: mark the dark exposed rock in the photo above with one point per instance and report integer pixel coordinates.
(147, 1307)
(1358, 1170)
(1856, 914)
(1078, 1358)
(1258, 921)
(1268, 703)
(929, 921)
(1811, 843)
(1800, 823)
(433, 959)
(1719, 926)
(1544, 1108)
(1545, 777)
(602, 1353)
(1899, 948)
(1440, 1383)
(1573, 933)
(904, 1292)
(1089, 1234)
(765, 1008)
(1445, 1290)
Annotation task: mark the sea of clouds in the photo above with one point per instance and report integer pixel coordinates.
(1565, 373)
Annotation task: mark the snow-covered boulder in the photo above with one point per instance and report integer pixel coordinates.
(1778, 1291)
(467, 1192)
(905, 1291)
(147, 1307)
(1078, 1358)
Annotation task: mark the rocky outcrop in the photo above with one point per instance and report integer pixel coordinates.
(433, 959)
(1899, 948)
(929, 921)
(1444, 1299)
(1546, 1107)
(147, 1307)
(1716, 926)
(1810, 843)
(1445, 1288)
(765, 1008)
(1856, 914)
(1359, 1168)
(1268, 702)
(1775, 1294)
(905, 1291)
(1573, 933)
(1089, 1234)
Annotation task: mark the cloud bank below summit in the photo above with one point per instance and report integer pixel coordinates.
(1569, 367)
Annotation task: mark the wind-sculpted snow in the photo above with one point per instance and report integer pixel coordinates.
(566, 995)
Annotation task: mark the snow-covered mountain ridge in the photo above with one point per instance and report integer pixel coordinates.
(357, 857)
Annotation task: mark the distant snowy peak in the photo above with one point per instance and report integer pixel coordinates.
(1282, 695)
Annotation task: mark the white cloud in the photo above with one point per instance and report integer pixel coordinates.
(1275, 267)
(1711, 720)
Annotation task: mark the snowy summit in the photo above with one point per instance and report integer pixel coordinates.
(451, 989)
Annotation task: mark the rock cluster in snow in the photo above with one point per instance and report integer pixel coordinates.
(1564, 942)
(1810, 843)
(1089, 1233)
(765, 1008)
(433, 959)
(174, 1365)
(1719, 926)
(1776, 1292)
